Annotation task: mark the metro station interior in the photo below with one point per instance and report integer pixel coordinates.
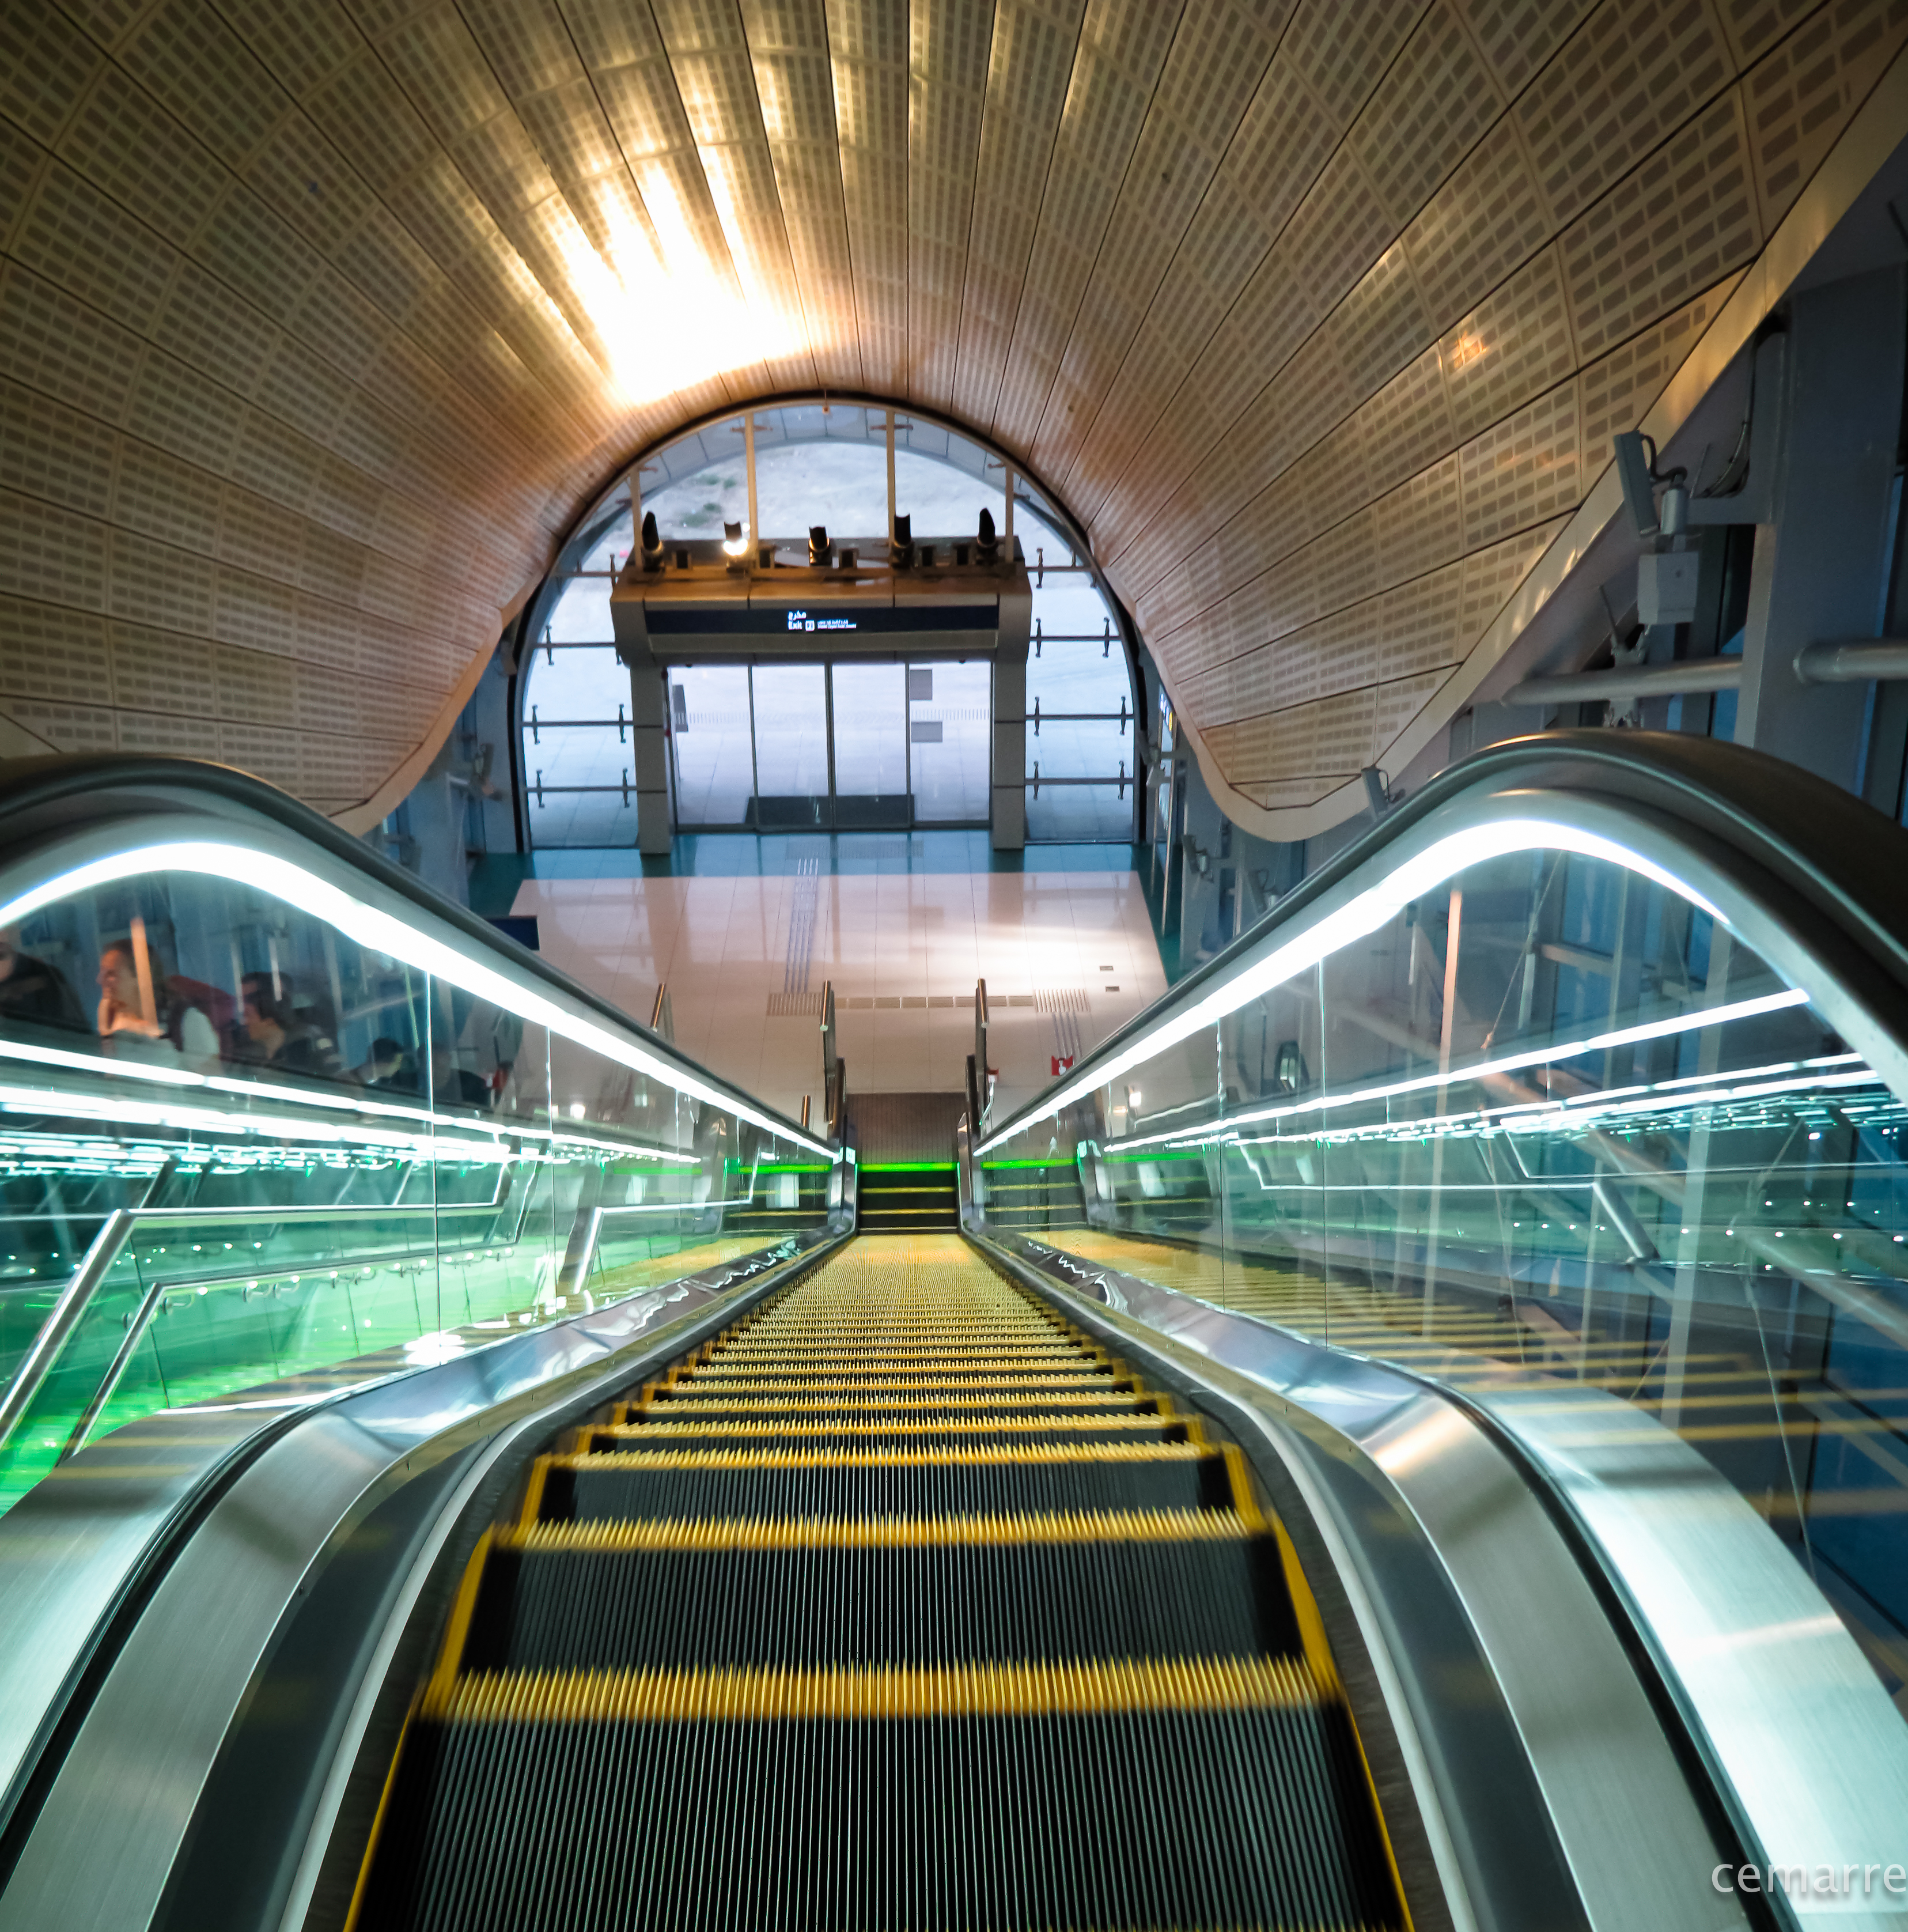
(954, 965)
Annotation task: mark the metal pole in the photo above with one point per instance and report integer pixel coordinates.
(890, 475)
(55, 1332)
(1853, 660)
(1589, 687)
(748, 458)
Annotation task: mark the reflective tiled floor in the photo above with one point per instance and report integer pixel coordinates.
(1068, 954)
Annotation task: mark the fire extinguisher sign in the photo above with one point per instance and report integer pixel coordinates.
(1063, 1062)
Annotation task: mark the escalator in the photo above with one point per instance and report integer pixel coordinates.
(1407, 1432)
(898, 1568)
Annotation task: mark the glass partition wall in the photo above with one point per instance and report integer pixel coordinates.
(875, 760)
(258, 1136)
(1530, 1116)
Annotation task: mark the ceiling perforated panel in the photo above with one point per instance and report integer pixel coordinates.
(320, 322)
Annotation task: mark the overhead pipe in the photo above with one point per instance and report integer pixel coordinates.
(1853, 660)
(1589, 687)
(1848, 661)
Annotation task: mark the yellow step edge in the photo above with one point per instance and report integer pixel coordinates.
(831, 1383)
(836, 1350)
(730, 1534)
(870, 1459)
(1083, 1688)
(650, 1430)
(687, 1402)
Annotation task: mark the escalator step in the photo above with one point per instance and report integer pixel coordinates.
(900, 1605)
(819, 1382)
(1218, 1796)
(685, 1398)
(649, 1433)
(545, 1606)
(936, 1482)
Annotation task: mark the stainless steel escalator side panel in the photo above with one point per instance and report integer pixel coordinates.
(110, 1824)
(1637, 1844)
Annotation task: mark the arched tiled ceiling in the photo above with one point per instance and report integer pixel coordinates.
(320, 321)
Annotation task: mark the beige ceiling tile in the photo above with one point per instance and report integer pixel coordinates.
(1633, 72)
(1433, 107)
(1510, 347)
(1123, 47)
(121, 138)
(1219, 56)
(1524, 470)
(526, 43)
(1803, 95)
(1343, 51)
(303, 45)
(193, 62)
(1030, 62)
(868, 62)
(1618, 389)
(1518, 36)
(1487, 219)
(1754, 26)
(1381, 326)
(371, 111)
(1675, 224)
(1274, 158)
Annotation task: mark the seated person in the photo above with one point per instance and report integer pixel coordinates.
(278, 1036)
(33, 993)
(141, 1021)
(390, 1066)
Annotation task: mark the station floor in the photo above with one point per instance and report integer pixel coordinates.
(746, 932)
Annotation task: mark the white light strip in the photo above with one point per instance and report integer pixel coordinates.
(1601, 1043)
(1534, 1116)
(381, 933)
(1377, 905)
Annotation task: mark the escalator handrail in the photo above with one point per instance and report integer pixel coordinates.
(41, 799)
(1835, 857)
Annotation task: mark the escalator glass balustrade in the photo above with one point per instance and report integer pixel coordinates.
(1590, 1118)
(266, 1130)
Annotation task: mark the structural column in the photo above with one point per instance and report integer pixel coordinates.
(1008, 817)
(1817, 573)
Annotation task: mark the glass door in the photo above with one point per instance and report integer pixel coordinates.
(709, 733)
(870, 708)
(791, 746)
(950, 741)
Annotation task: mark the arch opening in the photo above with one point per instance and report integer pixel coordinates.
(744, 736)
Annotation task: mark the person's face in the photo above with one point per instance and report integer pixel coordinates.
(118, 980)
(257, 1027)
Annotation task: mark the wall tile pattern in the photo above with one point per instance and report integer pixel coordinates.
(1320, 317)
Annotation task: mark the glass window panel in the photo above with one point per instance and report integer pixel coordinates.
(1084, 747)
(1080, 814)
(791, 732)
(950, 728)
(870, 731)
(581, 818)
(942, 502)
(839, 482)
(581, 615)
(715, 767)
(698, 484)
(576, 683)
(558, 756)
(611, 550)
